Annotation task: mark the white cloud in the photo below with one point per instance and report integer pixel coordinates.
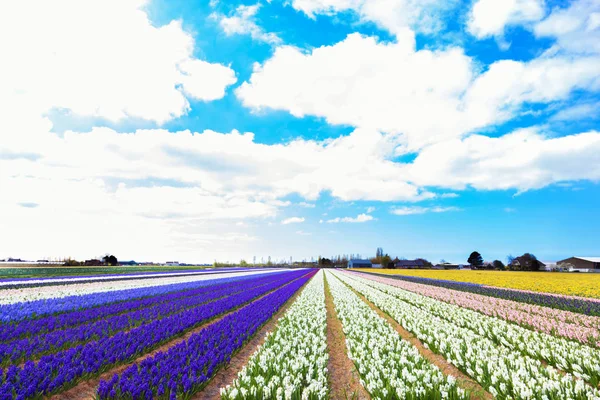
(302, 233)
(396, 16)
(359, 218)
(360, 82)
(306, 205)
(392, 88)
(101, 59)
(449, 195)
(525, 159)
(576, 28)
(421, 210)
(510, 210)
(491, 17)
(577, 112)
(243, 22)
(370, 210)
(292, 220)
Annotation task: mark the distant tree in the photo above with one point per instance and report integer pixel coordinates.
(442, 261)
(69, 262)
(243, 263)
(378, 255)
(475, 259)
(529, 262)
(386, 260)
(499, 265)
(509, 259)
(110, 260)
(325, 262)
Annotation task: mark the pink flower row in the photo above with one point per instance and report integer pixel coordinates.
(579, 327)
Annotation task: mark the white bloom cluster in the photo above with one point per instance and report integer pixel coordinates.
(292, 363)
(581, 360)
(390, 367)
(505, 371)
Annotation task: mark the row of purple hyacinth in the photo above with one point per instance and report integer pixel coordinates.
(58, 371)
(70, 280)
(131, 275)
(49, 323)
(186, 367)
(36, 345)
(36, 308)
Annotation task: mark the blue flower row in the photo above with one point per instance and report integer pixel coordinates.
(37, 344)
(186, 367)
(36, 308)
(58, 371)
(153, 295)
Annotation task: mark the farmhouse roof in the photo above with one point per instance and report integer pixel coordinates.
(591, 259)
(358, 261)
(409, 263)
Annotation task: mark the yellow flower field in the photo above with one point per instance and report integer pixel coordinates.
(574, 284)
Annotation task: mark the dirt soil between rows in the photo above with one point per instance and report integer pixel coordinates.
(344, 379)
(476, 390)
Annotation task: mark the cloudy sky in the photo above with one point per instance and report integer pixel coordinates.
(172, 129)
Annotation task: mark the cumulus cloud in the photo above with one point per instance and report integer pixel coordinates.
(490, 17)
(359, 218)
(243, 22)
(399, 17)
(101, 59)
(292, 220)
(392, 88)
(525, 159)
(412, 210)
(576, 28)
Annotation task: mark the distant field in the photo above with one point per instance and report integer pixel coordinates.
(41, 271)
(573, 284)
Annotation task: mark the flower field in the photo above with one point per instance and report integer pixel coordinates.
(582, 285)
(265, 334)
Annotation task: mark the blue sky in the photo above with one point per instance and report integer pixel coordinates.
(197, 130)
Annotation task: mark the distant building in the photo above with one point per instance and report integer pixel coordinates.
(377, 266)
(550, 265)
(404, 264)
(525, 263)
(448, 265)
(582, 263)
(360, 264)
(93, 263)
(172, 263)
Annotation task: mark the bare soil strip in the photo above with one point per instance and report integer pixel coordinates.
(226, 375)
(86, 390)
(344, 379)
(477, 391)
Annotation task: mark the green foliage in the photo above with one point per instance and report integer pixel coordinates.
(499, 265)
(475, 259)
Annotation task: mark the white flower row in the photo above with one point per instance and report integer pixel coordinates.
(579, 359)
(292, 363)
(390, 367)
(504, 372)
(10, 296)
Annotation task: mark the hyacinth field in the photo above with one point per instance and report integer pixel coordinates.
(292, 334)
